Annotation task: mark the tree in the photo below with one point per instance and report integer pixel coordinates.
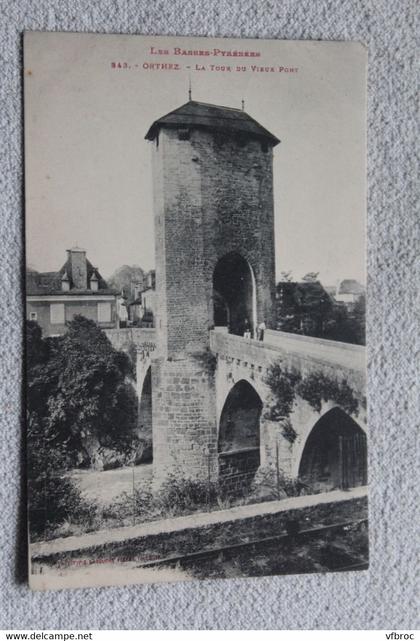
(80, 392)
(315, 307)
(310, 277)
(286, 277)
(303, 308)
(122, 278)
(359, 320)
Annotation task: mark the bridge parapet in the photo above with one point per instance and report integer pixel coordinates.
(343, 354)
(304, 353)
(143, 338)
(241, 359)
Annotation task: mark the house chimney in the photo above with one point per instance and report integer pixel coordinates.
(78, 267)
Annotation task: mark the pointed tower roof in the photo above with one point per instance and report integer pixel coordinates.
(214, 117)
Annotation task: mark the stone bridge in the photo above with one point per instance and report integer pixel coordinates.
(140, 344)
(245, 437)
(243, 363)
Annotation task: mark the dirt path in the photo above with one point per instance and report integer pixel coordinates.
(105, 487)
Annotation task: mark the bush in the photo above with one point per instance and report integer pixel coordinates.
(178, 495)
(278, 485)
(282, 384)
(79, 391)
(316, 388)
(128, 505)
(53, 500)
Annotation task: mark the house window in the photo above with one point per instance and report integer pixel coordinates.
(33, 316)
(57, 313)
(104, 312)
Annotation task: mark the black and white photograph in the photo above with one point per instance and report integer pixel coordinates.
(195, 308)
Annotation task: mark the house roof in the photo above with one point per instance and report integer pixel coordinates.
(215, 117)
(330, 289)
(49, 283)
(350, 286)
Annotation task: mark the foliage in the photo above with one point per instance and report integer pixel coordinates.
(314, 388)
(178, 495)
(286, 277)
(278, 485)
(343, 326)
(124, 276)
(132, 354)
(52, 497)
(317, 387)
(359, 320)
(79, 390)
(207, 360)
(129, 505)
(303, 308)
(288, 431)
(306, 308)
(53, 500)
(282, 384)
(310, 277)
(36, 347)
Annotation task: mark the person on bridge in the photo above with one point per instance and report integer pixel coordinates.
(247, 329)
(261, 330)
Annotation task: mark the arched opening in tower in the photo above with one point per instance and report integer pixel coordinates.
(335, 454)
(239, 436)
(145, 454)
(234, 297)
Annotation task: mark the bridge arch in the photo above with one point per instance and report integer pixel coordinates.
(239, 434)
(145, 425)
(334, 453)
(234, 294)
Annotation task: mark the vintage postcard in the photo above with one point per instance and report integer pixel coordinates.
(195, 308)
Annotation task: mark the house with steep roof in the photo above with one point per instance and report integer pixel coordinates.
(55, 298)
(348, 291)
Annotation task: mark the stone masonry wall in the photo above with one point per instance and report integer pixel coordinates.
(238, 210)
(184, 422)
(241, 359)
(213, 196)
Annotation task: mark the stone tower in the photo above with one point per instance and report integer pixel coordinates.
(214, 230)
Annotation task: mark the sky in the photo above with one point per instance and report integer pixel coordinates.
(88, 179)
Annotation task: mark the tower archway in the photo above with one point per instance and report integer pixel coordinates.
(239, 435)
(335, 454)
(234, 294)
